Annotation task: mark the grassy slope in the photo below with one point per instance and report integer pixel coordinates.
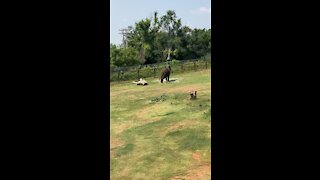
(167, 139)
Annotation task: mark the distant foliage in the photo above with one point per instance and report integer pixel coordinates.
(124, 56)
(159, 39)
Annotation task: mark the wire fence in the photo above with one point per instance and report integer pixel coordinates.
(155, 70)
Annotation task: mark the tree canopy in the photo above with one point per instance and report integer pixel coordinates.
(158, 39)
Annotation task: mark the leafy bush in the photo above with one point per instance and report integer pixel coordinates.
(124, 56)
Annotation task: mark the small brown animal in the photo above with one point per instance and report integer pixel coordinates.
(165, 74)
(193, 94)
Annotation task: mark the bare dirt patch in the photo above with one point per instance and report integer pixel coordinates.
(114, 144)
(196, 156)
(119, 128)
(172, 80)
(202, 172)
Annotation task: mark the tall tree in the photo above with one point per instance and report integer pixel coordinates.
(140, 38)
(123, 56)
(162, 38)
(171, 26)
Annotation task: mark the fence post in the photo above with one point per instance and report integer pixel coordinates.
(119, 75)
(181, 67)
(138, 73)
(206, 64)
(194, 64)
(154, 71)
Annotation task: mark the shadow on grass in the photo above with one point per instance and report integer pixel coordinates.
(166, 114)
(191, 138)
(125, 150)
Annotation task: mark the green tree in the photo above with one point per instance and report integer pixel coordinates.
(123, 56)
(140, 38)
(200, 42)
(157, 39)
(170, 25)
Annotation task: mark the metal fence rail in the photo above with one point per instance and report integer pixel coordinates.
(154, 70)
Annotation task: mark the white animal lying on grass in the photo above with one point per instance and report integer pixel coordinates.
(141, 82)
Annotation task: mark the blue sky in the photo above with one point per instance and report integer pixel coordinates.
(123, 13)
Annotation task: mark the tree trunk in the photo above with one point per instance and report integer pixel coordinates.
(142, 56)
(182, 68)
(169, 52)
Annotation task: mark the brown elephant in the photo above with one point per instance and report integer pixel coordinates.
(165, 74)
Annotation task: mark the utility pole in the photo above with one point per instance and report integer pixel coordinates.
(124, 33)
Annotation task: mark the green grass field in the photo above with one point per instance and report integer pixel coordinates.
(157, 132)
